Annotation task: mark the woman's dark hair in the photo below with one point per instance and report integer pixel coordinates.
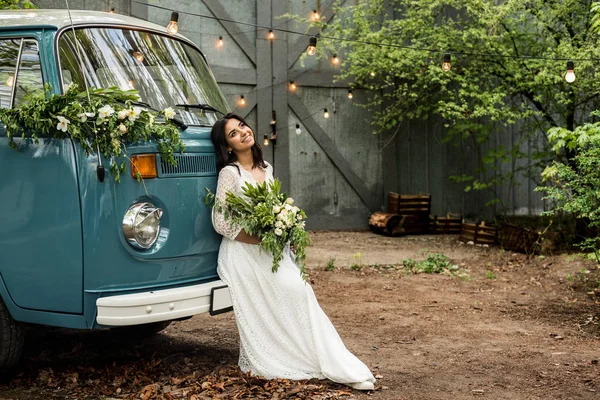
(225, 158)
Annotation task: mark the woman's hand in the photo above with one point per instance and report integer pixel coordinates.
(246, 238)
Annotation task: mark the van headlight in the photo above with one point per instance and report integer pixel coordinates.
(141, 225)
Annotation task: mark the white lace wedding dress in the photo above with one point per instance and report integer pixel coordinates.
(283, 331)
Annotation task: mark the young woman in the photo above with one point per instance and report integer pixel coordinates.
(283, 331)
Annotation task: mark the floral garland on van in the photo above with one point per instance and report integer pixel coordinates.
(107, 122)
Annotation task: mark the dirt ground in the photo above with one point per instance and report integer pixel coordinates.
(510, 327)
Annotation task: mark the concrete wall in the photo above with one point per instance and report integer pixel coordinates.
(336, 169)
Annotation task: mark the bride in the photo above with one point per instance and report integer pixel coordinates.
(284, 333)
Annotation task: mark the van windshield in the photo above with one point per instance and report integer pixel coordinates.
(164, 71)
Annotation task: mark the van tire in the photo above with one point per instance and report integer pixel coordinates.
(144, 330)
(11, 339)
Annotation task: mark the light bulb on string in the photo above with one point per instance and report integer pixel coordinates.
(271, 35)
(242, 100)
(130, 84)
(220, 42)
(350, 94)
(292, 85)
(372, 74)
(312, 46)
(173, 27)
(570, 75)
(315, 15)
(138, 56)
(112, 10)
(266, 140)
(298, 130)
(325, 113)
(335, 59)
(10, 81)
(446, 65)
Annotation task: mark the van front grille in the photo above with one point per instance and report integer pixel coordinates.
(189, 164)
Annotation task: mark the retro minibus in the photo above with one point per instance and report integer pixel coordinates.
(78, 249)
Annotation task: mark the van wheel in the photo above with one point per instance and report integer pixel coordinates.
(11, 339)
(144, 330)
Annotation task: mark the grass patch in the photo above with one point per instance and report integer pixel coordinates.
(330, 266)
(434, 263)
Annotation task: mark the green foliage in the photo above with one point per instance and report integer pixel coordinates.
(574, 187)
(330, 266)
(357, 265)
(481, 94)
(434, 263)
(490, 275)
(265, 211)
(16, 4)
(106, 121)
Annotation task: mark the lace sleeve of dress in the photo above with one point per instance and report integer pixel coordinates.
(269, 170)
(228, 182)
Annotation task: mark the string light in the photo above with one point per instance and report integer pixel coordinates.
(366, 42)
(446, 65)
(325, 113)
(292, 85)
(298, 130)
(112, 10)
(138, 56)
(10, 81)
(335, 60)
(312, 46)
(173, 27)
(372, 74)
(130, 83)
(266, 140)
(570, 75)
(315, 15)
(242, 100)
(220, 42)
(350, 94)
(271, 35)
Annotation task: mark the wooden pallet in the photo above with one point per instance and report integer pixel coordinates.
(450, 224)
(520, 239)
(416, 210)
(478, 233)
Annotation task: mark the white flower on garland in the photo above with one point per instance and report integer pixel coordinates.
(134, 113)
(105, 111)
(84, 116)
(169, 113)
(122, 128)
(123, 114)
(63, 123)
(151, 118)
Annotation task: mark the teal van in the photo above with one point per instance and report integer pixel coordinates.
(81, 251)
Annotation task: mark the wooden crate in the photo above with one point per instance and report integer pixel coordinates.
(520, 239)
(416, 210)
(478, 233)
(450, 224)
(392, 203)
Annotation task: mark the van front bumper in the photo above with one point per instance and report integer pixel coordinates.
(163, 305)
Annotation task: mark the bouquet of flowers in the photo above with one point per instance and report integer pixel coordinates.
(264, 211)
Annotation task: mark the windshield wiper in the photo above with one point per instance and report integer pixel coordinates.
(176, 121)
(204, 107)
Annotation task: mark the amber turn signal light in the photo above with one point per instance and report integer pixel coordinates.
(144, 165)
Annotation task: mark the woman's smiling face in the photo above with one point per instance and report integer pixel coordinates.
(239, 136)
